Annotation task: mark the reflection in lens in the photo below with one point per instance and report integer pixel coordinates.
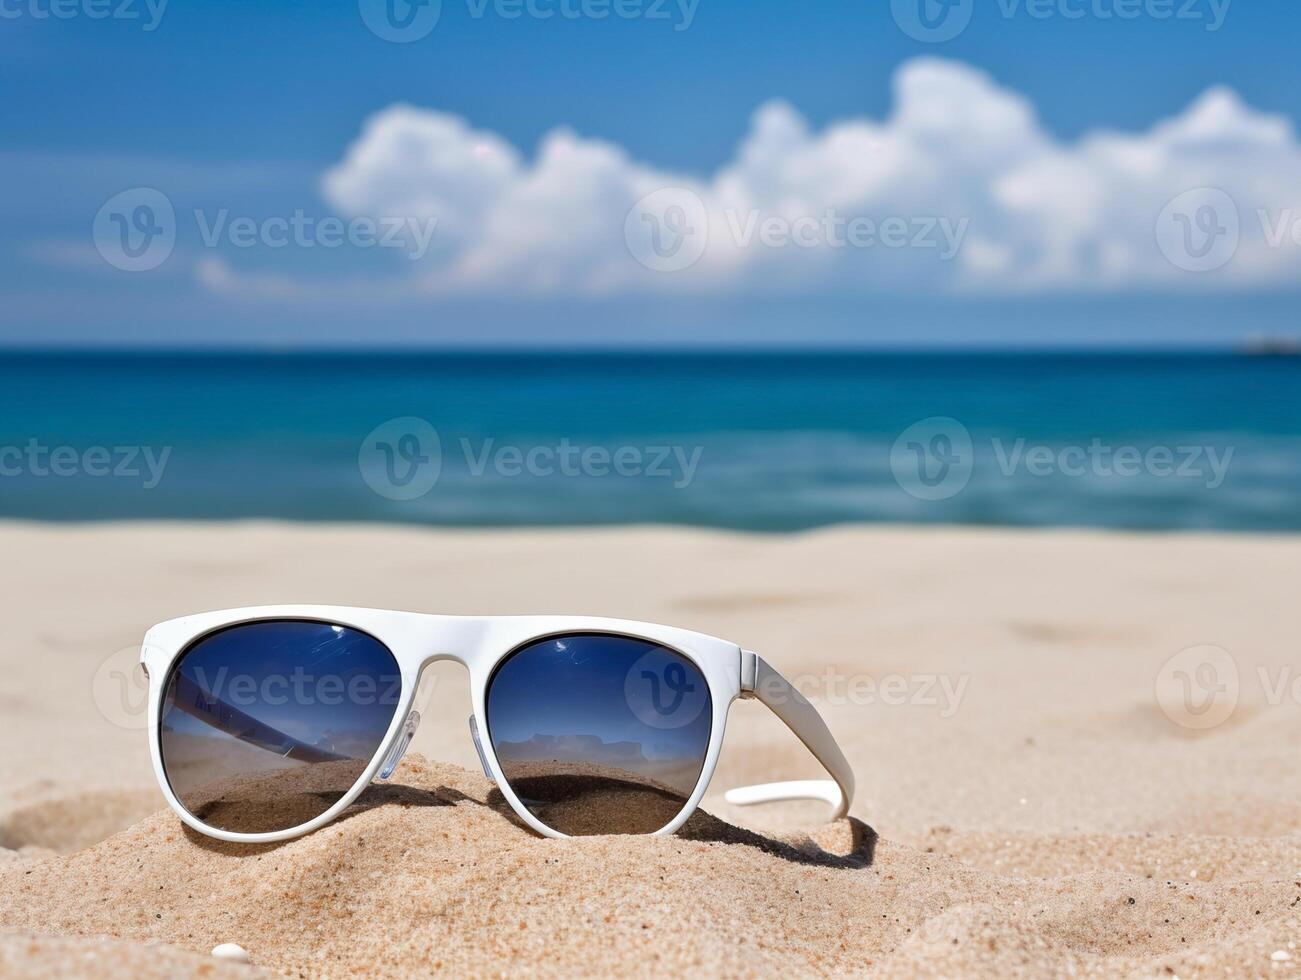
(600, 734)
(266, 725)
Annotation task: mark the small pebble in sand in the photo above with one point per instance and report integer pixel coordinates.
(231, 951)
(1280, 956)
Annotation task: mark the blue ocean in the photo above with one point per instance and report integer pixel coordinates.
(766, 441)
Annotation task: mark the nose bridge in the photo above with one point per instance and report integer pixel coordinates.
(427, 678)
(444, 656)
(451, 638)
(425, 650)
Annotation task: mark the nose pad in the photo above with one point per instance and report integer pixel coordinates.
(400, 746)
(474, 734)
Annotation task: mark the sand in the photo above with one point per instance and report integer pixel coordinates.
(1026, 807)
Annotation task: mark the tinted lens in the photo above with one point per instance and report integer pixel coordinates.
(600, 734)
(266, 725)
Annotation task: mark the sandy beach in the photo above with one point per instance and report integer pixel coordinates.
(1033, 799)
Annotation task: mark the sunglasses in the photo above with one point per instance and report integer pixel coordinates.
(267, 723)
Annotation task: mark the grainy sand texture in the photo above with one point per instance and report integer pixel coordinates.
(1077, 754)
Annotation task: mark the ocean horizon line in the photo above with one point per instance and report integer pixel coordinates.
(83, 351)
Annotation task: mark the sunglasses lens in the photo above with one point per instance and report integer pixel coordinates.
(600, 734)
(264, 726)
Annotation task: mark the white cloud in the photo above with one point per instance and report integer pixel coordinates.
(962, 161)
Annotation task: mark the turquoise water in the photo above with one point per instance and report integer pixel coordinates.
(769, 442)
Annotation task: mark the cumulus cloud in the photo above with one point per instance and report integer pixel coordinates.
(959, 189)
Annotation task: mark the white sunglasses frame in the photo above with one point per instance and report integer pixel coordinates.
(480, 643)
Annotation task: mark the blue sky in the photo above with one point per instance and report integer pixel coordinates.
(245, 109)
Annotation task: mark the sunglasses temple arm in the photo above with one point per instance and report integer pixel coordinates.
(760, 682)
(204, 706)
